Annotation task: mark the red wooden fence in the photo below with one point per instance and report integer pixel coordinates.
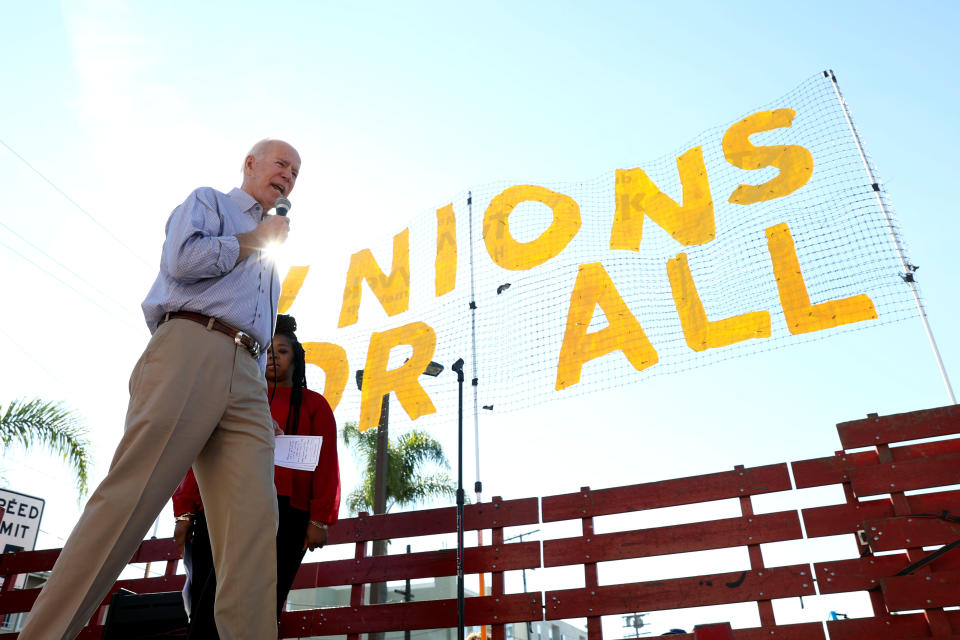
(908, 561)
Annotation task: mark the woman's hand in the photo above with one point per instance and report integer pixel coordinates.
(181, 534)
(316, 537)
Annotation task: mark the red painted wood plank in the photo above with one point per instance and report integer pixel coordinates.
(861, 574)
(906, 476)
(667, 493)
(874, 430)
(717, 631)
(432, 614)
(697, 536)
(17, 601)
(857, 574)
(906, 593)
(843, 518)
(408, 524)
(818, 472)
(834, 469)
(156, 550)
(725, 588)
(428, 564)
(848, 518)
(900, 627)
(802, 631)
(904, 532)
(32, 561)
(28, 561)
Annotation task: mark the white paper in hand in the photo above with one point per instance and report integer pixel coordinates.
(298, 452)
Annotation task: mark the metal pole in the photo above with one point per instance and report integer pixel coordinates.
(458, 367)
(378, 592)
(475, 383)
(478, 486)
(908, 269)
(407, 597)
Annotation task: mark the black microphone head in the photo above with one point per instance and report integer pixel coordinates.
(282, 205)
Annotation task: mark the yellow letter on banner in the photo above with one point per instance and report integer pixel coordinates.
(404, 380)
(700, 333)
(393, 292)
(795, 162)
(802, 317)
(518, 256)
(690, 224)
(332, 359)
(291, 287)
(446, 263)
(623, 333)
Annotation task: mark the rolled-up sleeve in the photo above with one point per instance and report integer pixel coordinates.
(194, 248)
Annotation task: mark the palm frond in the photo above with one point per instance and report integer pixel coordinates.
(36, 423)
(410, 457)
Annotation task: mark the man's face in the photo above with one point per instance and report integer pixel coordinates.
(272, 174)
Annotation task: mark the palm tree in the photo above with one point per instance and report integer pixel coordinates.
(407, 481)
(50, 425)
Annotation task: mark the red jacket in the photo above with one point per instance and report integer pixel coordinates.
(316, 491)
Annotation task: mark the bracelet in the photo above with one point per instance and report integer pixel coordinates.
(319, 525)
(185, 517)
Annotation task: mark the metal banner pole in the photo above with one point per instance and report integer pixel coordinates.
(908, 268)
(458, 367)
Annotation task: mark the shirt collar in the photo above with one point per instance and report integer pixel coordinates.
(246, 202)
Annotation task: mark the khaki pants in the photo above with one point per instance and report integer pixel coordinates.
(195, 398)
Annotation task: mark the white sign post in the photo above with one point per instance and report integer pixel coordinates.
(21, 521)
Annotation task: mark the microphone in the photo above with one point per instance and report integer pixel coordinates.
(282, 205)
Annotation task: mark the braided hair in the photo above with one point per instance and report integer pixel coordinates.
(286, 327)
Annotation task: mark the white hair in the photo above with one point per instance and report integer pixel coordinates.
(256, 151)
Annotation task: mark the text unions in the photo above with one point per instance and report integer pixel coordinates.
(691, 222)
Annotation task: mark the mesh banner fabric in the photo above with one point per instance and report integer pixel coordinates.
(758, 234)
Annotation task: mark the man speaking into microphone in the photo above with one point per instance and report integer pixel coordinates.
(197, 397)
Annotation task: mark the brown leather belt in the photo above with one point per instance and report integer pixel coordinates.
(241, 338)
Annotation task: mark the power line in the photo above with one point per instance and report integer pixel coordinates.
(75, 204)
(31, 356)
(66, 268)
(69, 286)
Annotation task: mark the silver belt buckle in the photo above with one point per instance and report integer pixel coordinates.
(253, 349)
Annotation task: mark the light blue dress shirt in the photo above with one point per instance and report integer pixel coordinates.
(199, 270)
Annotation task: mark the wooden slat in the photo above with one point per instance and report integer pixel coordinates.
(848, 518)
(907, 593)
(818, 472)
(843, 518)
(802, 631)
(28, 561)
(667, 493)
(724, 588)
(904, 532)
(409, 524)
(156, 550)
(899, 427)
(862, 574)
(432, 614)
(697, 536)
(17, 601)
(906, 476)
(899, 627)
(34, 561)
(835, 469)
(428, 564)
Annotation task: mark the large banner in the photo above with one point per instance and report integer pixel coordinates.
(758, 234)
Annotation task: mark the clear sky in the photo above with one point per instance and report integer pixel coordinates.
(397, 107)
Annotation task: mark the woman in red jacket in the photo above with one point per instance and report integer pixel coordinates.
(308, 500)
